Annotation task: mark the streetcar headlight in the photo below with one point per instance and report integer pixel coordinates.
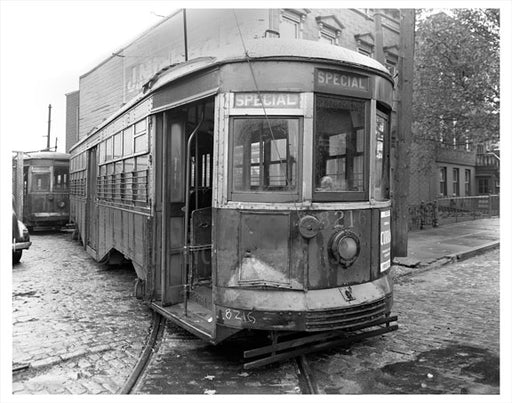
(347, 248)
(62, 204)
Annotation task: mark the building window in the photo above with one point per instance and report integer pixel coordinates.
(328, 36)
(291, 24)
(455, 183)
(365, 44)
(391, 65)
(329, 29)
(289, 28)
(391, 59)
(483, 186)
(442, 182)
(467, 182)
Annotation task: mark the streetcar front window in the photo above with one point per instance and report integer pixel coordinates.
(40, 179)
(60, 178)
(340, 148)
(265, 154)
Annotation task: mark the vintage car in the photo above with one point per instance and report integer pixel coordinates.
(20, 238)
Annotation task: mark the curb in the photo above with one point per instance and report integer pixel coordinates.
(474, 251)
(445, 260)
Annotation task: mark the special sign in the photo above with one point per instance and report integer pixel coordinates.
(385, 240)
(335, 81)
(267, 99)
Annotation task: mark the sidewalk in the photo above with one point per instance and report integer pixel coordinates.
(450, 242)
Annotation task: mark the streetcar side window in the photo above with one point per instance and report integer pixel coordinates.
(340, 142)
(381, 172)
(265, 155)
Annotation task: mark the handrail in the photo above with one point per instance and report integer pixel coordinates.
(186, 247)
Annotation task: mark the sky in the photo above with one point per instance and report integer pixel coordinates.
(46, 46)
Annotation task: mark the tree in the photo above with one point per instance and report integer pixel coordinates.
(456, 83)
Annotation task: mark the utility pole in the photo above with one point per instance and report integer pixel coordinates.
(185, 40)
(49, 125)
(405, 88)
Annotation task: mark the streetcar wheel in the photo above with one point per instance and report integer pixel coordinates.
(16, 256)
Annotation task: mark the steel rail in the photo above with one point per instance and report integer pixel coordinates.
(145, 357)
(307, 381)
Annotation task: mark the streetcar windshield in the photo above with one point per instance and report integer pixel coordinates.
(40, 179)
(340, 147)
(265, 154)
(60, 178)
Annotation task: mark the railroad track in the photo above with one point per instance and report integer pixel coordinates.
(157, 330)
(306, 380)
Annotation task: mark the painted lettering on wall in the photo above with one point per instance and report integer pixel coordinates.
(267, 100)
(136, 75)
(340, 80)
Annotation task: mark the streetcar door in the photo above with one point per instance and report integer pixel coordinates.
(92, 214)
(194, 122)
(173, 216)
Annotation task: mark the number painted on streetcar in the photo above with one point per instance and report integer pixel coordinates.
(242, 316)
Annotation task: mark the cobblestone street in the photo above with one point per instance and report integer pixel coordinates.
(447, 341)
(76, 324)
(77, 329)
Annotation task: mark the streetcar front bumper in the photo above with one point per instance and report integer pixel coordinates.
(340, 308)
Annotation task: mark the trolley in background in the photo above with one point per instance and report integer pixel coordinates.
(45, 189)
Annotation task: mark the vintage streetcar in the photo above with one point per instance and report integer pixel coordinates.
(250, 190)
(45, 190)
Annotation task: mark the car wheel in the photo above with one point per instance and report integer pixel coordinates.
(16, 256)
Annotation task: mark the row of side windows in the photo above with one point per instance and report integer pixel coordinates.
(123, 168)
(443, 182)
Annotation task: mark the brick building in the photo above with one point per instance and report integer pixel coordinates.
(116, 80)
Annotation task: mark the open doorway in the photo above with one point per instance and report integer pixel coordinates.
(186, 261)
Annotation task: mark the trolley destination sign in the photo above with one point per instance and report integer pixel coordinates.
(288, 100)
(336, 81)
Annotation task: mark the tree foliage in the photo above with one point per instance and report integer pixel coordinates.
(456, 76)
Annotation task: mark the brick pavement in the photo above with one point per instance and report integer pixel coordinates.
(447, 341)
(76, 323)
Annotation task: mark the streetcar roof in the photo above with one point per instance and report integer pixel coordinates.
(46, 155)
(270, 48)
